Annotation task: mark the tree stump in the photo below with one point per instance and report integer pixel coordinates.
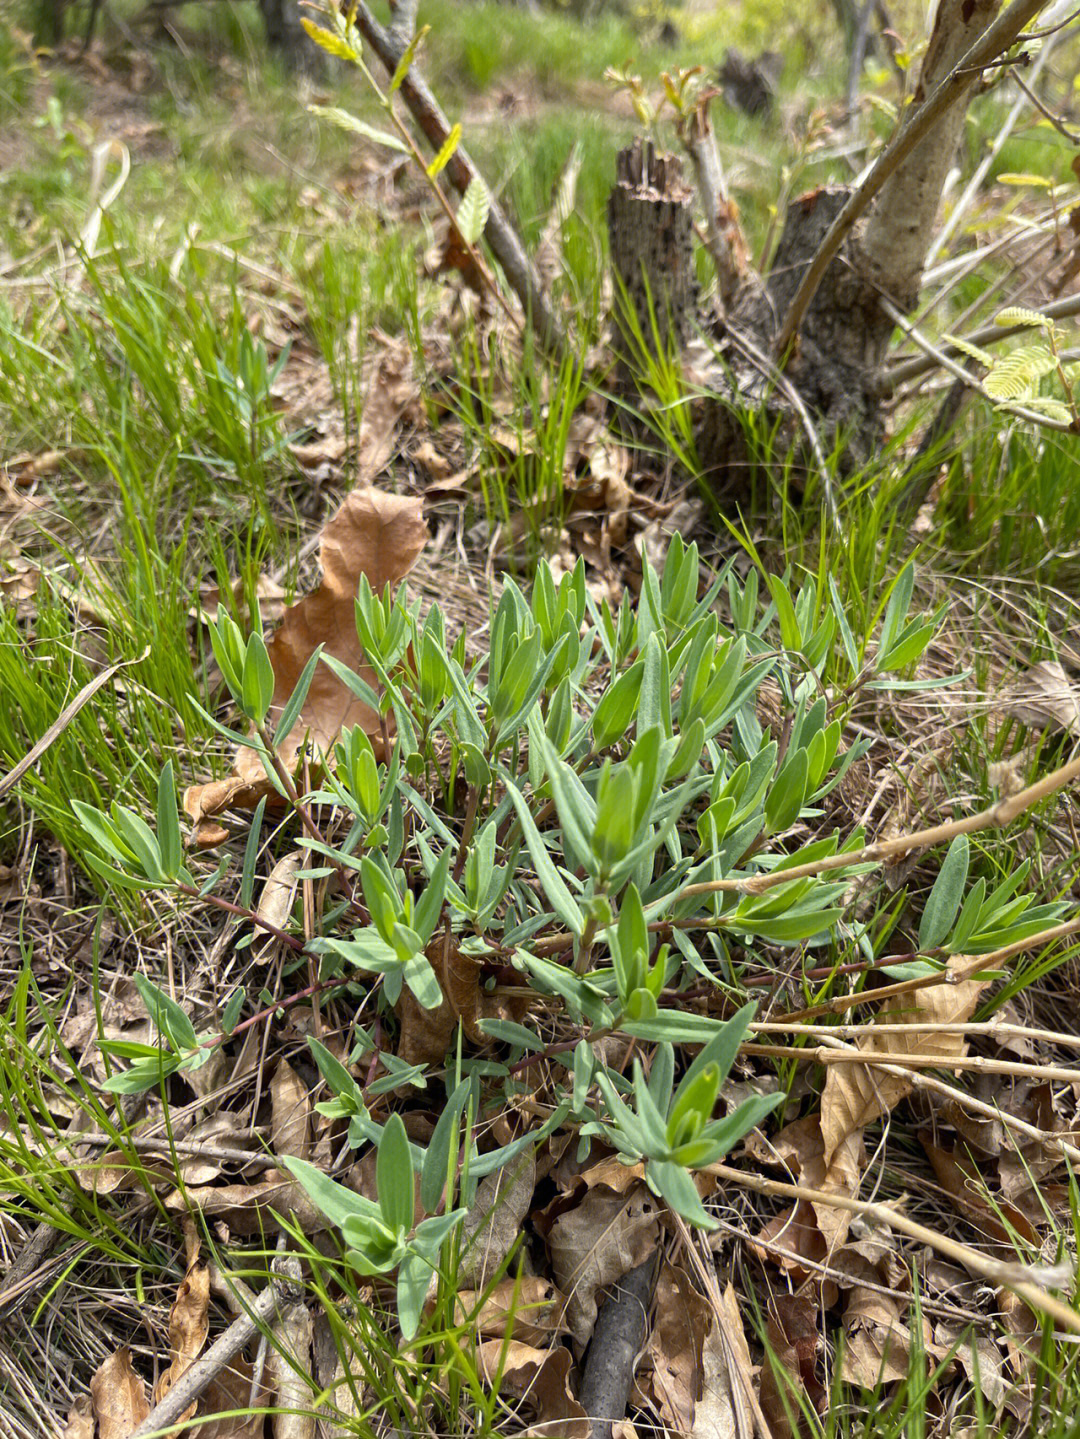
(651, 228)
(840, 349)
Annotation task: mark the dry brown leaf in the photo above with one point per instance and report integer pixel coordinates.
(290, 1113)
(981, 1361)
(966, 1188)
(189, 1325)
(276, 900)
(251, 1208)
(230, 1390)
(268, 593)
(810, 1230)
(878, 1348)
(390, 387)
(426, 1033)
(855, 1095)
(530, 1308)
(1043, 696)
(793, 1338)
(80, 1420)
(19, 583)
(492, 1226)
(606, 1236)
(27, 467)
(674, 1347)
(119, 1396)
(288, 1360)
(726, 1409)
(373, 534)
(538, 1377)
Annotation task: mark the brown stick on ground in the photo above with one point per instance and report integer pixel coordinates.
(615, 1346)
(284, 1291)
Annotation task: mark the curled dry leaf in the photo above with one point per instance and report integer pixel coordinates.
(878, 1348)
(980, 1360)
(228, 1392)
(816, 1230)
(268, 593)
(606, 1236)
(390, 387)
(857, 1094)
(373, 534)
(189, 1326)
(251, 1208)
(967, 1188)
(118, 1396)
(530, 1309)
(791, 1367)
(278, 893)
(290, 1113)
(426, 1034)
(539, 1378)
(1043, 696)
(80, 1420)
(728, 1407)
(674, 1348)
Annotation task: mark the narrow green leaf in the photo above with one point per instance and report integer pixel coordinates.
(168, 823)
(295, 703)
(404, 65)
(167, 1015)
(344, 121)
(446, 152)
(944, 901)
(442, 1150)
(558, 896)
(394, 1176)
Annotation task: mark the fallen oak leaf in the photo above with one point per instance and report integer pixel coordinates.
(528, 1308)
(794, 1344)
(811, 1230)
(964, 1186)
(595, 1244)
(674, 1347)
(118, 1395)
(539, 1377)
(727, 1408)
(857, 1094)
(80, 1421)
(373, 534)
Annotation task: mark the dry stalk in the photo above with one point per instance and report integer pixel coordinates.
(971, 1029)
(998, 816)
(882, 1059)
(1015, 1277)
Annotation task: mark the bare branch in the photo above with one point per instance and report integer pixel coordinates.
(390, 46)
(404, 18)
(726, 242)
(946, 362)
(1008, 125)
(920, 365)
(994, 41)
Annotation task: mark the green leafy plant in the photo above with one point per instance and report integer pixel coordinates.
(591, 813)
(381, 1237)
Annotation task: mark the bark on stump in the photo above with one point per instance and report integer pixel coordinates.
(841, 346)
(288, 39)
(650, 223)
